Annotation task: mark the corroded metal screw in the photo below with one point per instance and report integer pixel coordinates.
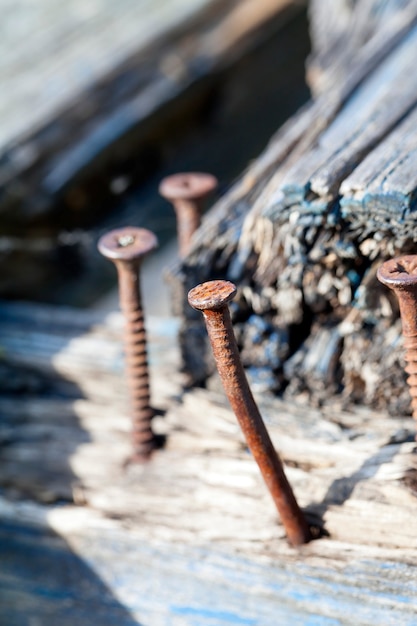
(400, 275)
(126, 247)
(211, 298)
(187, 193)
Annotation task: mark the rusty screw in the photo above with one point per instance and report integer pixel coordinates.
(126, 247)
(211, 298)
(187, 192)
(400, 275)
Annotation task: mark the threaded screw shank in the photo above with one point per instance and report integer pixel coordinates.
(126, 247)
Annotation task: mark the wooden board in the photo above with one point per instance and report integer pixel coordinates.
(106, 72)
(305, 228)
(191, 538)
(358, 33)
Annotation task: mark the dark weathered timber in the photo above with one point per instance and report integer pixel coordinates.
(379, 195)
(304, 229)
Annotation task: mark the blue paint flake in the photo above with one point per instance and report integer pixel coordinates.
(225, 616)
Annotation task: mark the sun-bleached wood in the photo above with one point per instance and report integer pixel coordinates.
(62, 469)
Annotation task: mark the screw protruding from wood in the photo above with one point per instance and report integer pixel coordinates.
(400, 275)
(126, 247)
(187, 193)
(212, 298)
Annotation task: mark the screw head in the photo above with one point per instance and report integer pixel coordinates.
(127, 244)
(212, 295)
(399, 273)
(187, 186)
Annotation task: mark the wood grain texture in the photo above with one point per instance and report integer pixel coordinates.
(192, 538)
(106, 72)
(344, 34)
(304, 229)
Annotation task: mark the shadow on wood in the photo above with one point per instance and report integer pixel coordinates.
(42, 580)
(44, 583)
(193, 536)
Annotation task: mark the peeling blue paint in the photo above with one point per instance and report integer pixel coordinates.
(225, 616)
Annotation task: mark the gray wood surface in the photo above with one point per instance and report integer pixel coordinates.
(344, 33)
(191, 538)
(53, 53)
(80, 84)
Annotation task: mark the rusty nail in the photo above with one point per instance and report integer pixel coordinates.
(211, 298)
(400, 275)
(126, 247)
(187, 193)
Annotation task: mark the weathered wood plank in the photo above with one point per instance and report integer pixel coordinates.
(344, 34)
(61, 343)
(379, 104)
(114, 69)
(42, 581)
(379, 195)
(197, 524)
(127, 582)
(304, 242)
(72, 48)
(197, 520)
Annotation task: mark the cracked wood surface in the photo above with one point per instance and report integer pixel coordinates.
(305, 228)
(193, 536)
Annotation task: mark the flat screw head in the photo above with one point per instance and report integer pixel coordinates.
(212, 295)
(126, 247)
(127, 244)
(212, 298)
(400, 273)
(188, 186)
